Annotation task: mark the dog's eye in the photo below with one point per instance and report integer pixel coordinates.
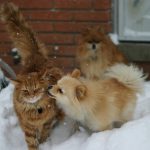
(60, 91)
(90, 42)
(97, 42)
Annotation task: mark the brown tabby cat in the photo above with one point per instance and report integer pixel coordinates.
(36, 111)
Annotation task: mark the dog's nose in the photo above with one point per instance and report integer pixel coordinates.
(49, 87)
(94, 46)
(48, 90)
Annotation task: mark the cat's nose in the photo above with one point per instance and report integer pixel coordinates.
(49, 87)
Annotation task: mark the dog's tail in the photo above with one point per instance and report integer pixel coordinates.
(20, 32)
(131, 76)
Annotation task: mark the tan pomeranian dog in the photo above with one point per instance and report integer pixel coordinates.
(98, 104)
(96, 52)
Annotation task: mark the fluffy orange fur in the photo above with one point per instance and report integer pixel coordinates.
(98, 104)
(35, 110)
(33, 53)
(96, 52)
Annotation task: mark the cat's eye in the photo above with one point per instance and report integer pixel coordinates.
(60, 90)
(25, 91)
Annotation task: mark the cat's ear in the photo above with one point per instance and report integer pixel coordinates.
(15, 81)
(76, 73)
(51, 74)
(43, 74)
(81, 92)
(56, 73)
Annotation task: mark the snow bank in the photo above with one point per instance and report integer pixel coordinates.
(133, 135)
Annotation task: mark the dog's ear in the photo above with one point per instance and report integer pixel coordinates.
(76, 73)
(85, 31)
(100, 29)
(81, 92)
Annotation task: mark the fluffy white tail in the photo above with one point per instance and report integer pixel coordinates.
(131, 76)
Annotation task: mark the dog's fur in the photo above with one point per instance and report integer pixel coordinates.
(97, 104)
(96, 52)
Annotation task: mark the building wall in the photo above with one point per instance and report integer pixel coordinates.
(58, 24)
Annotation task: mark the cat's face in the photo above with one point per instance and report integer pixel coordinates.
(30, 88)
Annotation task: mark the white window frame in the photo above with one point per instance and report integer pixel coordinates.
(119, 21)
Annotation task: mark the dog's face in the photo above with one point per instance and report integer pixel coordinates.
(68, 92)
(92, 37)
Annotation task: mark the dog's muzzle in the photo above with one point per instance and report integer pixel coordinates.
(94, 46)
(48, 90)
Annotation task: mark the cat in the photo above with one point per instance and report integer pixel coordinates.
(37, 113)
(96, 52)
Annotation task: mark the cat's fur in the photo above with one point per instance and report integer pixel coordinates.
(33, 53)
(35, 110)
(96, 52)
(99, 104)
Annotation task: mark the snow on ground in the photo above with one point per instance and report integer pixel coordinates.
(134, 135)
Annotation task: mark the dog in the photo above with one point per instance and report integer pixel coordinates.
(96, 52)
(98, 104)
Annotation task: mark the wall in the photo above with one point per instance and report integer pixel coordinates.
(58, 24)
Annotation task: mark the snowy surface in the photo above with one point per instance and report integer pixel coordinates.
(134, 135)
(1, 78)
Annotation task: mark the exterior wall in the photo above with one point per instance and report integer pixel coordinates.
(58, 24)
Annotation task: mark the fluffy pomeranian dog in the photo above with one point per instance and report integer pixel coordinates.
(98, 104)
(96, 52)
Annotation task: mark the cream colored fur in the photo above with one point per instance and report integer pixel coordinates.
(130, 75)
(98, 104)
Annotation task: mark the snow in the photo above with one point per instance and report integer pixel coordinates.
(114, 38)
(134, 33)
(1, 78)
(133, 135)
